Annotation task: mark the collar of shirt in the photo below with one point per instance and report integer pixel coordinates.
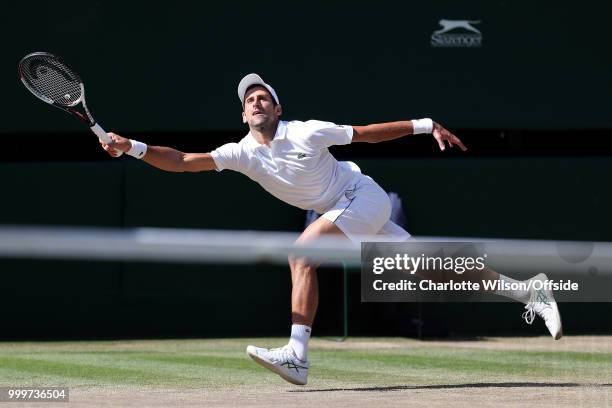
(281, 133)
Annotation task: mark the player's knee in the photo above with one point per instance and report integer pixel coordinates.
(302, 265)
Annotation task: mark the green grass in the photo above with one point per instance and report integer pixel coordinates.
(222, 364)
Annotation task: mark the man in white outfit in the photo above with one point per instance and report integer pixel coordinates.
(291, 161)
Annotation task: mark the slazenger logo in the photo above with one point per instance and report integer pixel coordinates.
(457, 33)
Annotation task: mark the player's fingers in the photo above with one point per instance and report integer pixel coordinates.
(115, 138)
(113, 152)
(459, 143)
(440, 143)
(112, 145)
(110, 150)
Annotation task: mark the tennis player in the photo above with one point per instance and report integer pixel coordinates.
(291, 161)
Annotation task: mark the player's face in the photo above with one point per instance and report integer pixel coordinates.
(259, 110)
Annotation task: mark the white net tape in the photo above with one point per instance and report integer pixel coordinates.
(222, 246)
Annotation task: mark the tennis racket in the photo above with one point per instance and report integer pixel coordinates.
(51, 81)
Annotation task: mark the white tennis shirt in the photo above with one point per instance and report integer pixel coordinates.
(297, 168)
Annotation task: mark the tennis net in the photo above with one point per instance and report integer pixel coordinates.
(223, 246)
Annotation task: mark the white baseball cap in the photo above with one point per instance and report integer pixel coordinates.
(250, 80)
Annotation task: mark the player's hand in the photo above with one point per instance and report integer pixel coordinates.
(118, 143)
(443, 136)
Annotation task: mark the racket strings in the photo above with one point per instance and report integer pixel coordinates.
(50, 79)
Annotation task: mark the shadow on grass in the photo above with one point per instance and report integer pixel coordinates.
(452, 386)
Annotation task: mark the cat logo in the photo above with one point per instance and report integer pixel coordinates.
(457, 33)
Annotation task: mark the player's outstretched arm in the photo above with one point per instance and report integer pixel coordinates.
(164, 158)
(381, 132)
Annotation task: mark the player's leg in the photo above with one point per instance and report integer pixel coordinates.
(537, 301)
(305, 288)
(540, 302)
(291, 361)
(305, 292)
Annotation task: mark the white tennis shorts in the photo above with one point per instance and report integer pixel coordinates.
(363, 212)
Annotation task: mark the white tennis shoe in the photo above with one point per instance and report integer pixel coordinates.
(282, 361)
(543, 304)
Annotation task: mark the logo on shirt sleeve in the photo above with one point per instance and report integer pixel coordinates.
(301, 155)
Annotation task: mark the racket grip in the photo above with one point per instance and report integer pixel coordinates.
(97, 129)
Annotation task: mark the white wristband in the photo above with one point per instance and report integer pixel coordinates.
(421, 126)
(138, 149)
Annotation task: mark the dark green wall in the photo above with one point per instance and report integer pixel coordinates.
(543, 198)
(539, 198)
(174, 67)
(562, 198)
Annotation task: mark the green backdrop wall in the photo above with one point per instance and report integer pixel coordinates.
(174, 67)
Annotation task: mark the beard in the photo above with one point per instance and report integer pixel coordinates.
(260, 122)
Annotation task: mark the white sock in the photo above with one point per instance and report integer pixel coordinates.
(300, 335)
(519, 294)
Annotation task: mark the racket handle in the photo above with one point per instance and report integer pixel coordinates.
(97, 129)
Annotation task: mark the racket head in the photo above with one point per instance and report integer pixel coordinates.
(50, 79)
